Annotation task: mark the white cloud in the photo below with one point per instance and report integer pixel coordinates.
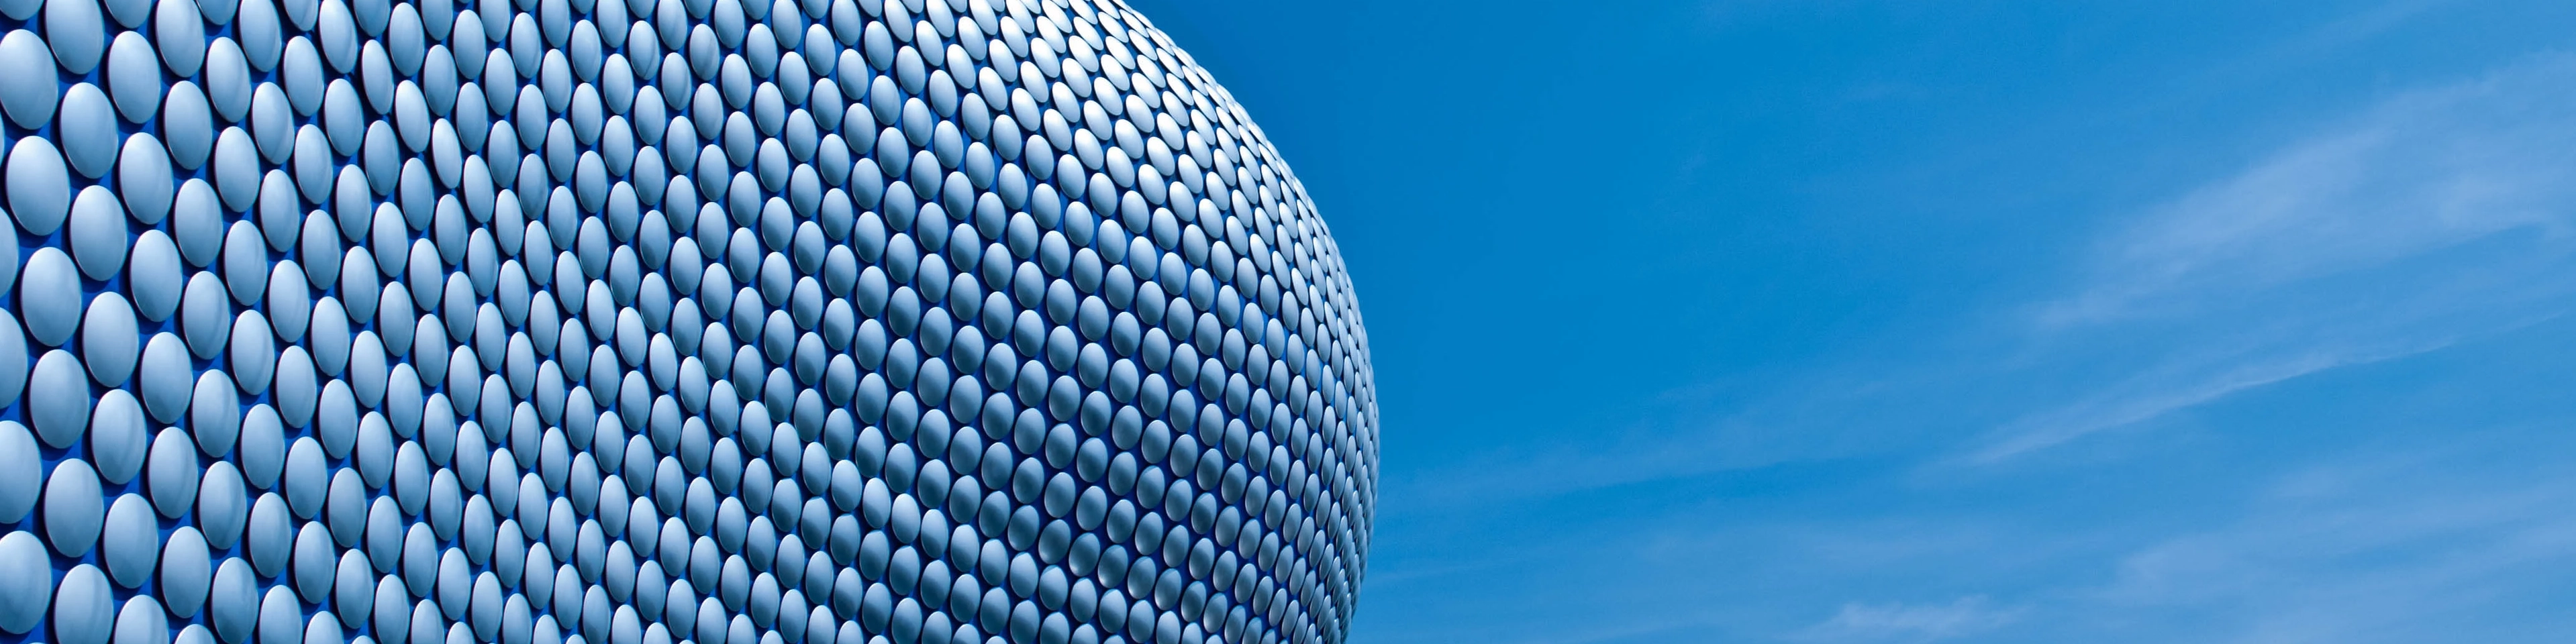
(2423, 171)
(2415, 545)
(1897, 622)
(2149, 397)
(2436, 216)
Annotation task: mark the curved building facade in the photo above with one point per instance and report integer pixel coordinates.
(661, 322)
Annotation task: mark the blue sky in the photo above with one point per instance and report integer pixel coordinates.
(1835, 321)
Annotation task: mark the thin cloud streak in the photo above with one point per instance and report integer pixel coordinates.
(2125, 408)
(1916, 623)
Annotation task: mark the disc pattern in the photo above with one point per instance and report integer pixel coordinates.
(661, 322)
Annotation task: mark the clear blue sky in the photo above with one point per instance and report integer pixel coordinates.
(1772, 321)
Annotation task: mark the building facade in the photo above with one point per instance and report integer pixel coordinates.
(661, 321)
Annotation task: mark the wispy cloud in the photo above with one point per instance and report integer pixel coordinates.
(2325, 312)
(2424, 171)
(2149, 397)
(2433, 217)
(1899, 622)
(2438, 215)
(2408, 545)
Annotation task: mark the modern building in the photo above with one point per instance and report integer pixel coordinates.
(661, 321)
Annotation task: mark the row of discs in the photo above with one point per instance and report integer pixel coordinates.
(661, 321)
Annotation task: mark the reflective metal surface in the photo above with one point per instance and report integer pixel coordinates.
(661, 321)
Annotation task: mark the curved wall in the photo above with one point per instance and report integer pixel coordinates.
(660, 321)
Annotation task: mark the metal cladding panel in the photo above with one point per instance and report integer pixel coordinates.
(661, 321)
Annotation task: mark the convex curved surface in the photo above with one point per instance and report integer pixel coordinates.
(661, 321)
